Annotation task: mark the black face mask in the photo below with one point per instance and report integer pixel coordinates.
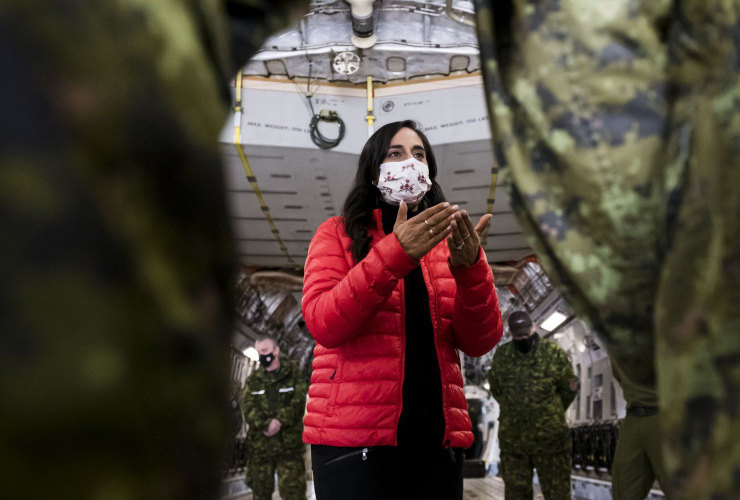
(267, 359)
(525, 345)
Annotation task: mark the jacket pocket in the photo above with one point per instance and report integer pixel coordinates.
(350, 457)
(335, 383)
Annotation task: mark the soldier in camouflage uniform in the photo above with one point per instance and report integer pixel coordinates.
(617, 125)
(533, 382)
(116, 265)
(274, 402)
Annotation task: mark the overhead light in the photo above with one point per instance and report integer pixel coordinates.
(347, 63)
(553, 321)
(558, 336)
(252, 353)
(582, 347)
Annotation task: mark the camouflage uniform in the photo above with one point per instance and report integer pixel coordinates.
(116, 267)
(280, 395)
(618, 127)
(534, 390)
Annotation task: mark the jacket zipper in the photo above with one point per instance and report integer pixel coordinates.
(364, 452)
(430, 285)
(403, 340)
(403, 357)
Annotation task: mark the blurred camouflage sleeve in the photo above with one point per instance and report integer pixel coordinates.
(617, 128)
(493, 381)
(568, 384)
(293, 413)
(116, 266)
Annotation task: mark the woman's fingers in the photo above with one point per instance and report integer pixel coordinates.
(430, 213)
(438, 238)
(436, 218)
(469, 229)
(401, 217)
(442, 225)
(443, 218)
(456, 233)
(482, 224)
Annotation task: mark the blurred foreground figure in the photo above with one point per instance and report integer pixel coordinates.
(618, 125)
(115, 261)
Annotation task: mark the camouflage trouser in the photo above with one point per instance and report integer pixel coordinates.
(638, 459)
(552, 470)
(617, 125)
(291, 473)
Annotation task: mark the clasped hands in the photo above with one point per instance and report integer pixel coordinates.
(273, 428)
(426, 230)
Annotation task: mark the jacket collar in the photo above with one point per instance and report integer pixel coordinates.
(378, 218)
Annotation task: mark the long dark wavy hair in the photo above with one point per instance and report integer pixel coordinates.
(364, 196)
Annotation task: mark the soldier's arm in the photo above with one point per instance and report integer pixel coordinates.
(568, 384)
(253, 415)
(293, 413)
(493, 379)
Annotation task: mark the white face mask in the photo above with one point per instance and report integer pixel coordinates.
(406, 180)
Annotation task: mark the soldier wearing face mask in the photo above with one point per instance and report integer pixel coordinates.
(274, 402)
(533, 381)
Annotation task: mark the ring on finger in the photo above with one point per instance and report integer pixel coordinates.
(431, 232)
(426, 221)
(460, 247)
(466, 237)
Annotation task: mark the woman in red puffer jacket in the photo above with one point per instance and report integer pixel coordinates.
(392, 290)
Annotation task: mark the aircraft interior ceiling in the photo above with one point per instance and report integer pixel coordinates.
(410, 39)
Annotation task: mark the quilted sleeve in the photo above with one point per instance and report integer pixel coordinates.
(476, 321)
(338, 301)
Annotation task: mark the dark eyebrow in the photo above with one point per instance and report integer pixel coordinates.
(397, 146)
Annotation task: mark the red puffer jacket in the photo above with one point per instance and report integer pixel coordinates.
(356, 315)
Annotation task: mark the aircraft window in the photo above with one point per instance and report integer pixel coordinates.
(597, 410)
(599, 380)
(613, 400)
(588, 407)
(578, 405)
(578, 371)
(589, 373)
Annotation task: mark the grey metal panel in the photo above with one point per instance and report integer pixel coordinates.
(417, 32)
(507, 255)
(506, 242)
(259, 228)
(503, 224)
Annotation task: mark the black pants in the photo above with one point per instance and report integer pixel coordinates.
(386, 473)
